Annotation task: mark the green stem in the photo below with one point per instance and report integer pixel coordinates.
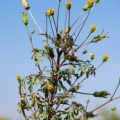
(58, 16)
(77, 19)
(65, 20)
(30, 38)
(84, 93)
(115, 90)
(82, 25)
(51, 27)
(54, 22)
(83, 42)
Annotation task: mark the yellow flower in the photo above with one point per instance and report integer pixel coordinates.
(93, 28)
(50, 87)
(25, 4)
(90, 2)
(18, 77)
(105, 58)
(47, 13)
(92, 55)
(85, 7)
(24, 18)
(50, 12)
(68, 5)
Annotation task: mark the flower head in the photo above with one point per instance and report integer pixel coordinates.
(113, 108)
(50, 87)
(24, 18)
(97, 1)
(105, 58)
(90, 2)
(18, 77)
(86, 6)
(93, 28)
(32, 31)
(25, 4)
(92, 55)
(50, 12)
(68, 5)
(46, 46)
(84, 51)
(87, 101)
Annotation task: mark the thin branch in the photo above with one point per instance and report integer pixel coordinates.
(105, 104)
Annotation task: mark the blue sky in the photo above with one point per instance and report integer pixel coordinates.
(15, 50)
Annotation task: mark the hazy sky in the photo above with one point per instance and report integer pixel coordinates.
(15, 50)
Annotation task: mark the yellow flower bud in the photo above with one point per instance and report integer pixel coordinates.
(51, 10)
(90, 2)
(68, 5)
(105, 58)
(50, 87)
(67, 30)
(92, 55)
(25, 4)
(47, 13)
(24, 18)
(18, 77)
(93, 28)
(32, 31)
(85, 7)
(46, 46)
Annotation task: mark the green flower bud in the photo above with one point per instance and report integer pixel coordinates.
(25, 4)
(99, 37)
(84, 51)
(46, 46)
(61, 31)
(74, 88)
(47, 13)
(102, 94)
(24, 18)
(87, 101)
(113, 108)
(32, 31)
(97, 1)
